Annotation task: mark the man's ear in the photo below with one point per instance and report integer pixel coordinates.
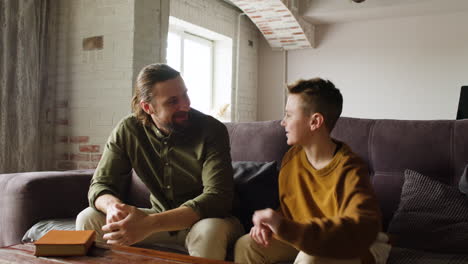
(147, 107)
(316, 121)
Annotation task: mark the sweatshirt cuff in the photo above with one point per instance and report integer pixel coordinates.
(290, 231)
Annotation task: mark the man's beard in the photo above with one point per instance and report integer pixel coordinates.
(174, 126)
(179, 126)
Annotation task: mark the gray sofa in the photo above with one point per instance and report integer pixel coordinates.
(436, 148)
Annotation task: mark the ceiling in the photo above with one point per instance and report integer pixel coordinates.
(337, 11)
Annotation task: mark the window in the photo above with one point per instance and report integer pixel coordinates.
(204, 58)
(192, 56)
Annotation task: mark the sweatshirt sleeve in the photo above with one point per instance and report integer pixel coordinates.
(347, 235)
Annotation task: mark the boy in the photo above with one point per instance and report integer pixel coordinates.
(328, 211)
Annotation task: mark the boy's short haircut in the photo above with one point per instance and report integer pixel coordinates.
(319, 96)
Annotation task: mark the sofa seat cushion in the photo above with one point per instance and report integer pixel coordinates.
(431, 216)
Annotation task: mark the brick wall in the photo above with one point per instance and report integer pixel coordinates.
(95, 86)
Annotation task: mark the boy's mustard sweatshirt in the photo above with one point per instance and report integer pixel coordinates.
(332, 212)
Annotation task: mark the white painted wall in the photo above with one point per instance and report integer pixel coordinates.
(400, 68)
(271, 82)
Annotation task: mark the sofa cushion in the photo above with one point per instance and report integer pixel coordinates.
(256, 187)
(463, 185)
(44, 226)
(413, 256)
(431, 216)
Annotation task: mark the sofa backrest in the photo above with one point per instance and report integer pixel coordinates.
(437, 148)
(257, 141)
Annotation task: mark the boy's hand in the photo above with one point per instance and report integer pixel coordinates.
(266, 223)
(267, 217)
(262, 235)
(135, 227)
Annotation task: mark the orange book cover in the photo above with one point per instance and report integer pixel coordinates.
(64, 243)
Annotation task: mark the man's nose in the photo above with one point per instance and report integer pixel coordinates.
(185, 105)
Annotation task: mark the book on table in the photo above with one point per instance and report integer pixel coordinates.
(65, 243)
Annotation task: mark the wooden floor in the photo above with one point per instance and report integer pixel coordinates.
(24, 253)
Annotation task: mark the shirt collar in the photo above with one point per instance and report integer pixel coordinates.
(159, 134)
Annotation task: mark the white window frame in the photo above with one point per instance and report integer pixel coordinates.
(183, 34)
(222, 65)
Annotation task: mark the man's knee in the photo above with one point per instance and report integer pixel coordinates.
(211, 237)
(218, 229)
(90, 219)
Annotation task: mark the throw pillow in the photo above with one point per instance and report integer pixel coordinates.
(44, 226)
(463, 184)
(431, 216)
(256, 188)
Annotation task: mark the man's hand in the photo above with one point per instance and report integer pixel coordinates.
(135, 227)
(266, 222)
(107, 203)
(115, 214)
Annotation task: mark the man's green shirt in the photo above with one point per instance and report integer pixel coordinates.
(190, 168)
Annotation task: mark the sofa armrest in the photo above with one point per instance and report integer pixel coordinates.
(26, 198)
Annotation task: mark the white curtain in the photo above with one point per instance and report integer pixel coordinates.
(26, 98)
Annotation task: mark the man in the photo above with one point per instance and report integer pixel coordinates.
(182, 156)
(328, 211)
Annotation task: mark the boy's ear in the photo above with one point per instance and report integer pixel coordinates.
(316, 121)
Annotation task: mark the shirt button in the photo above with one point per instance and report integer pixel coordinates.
(167, 164)
(168, 187)
(165, 142)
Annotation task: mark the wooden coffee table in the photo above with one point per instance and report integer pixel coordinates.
(24, 253)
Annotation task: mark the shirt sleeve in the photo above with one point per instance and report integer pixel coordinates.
(350, 233)
(217, 177)
(112, 174)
